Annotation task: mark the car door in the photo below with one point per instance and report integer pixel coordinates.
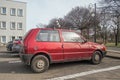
(74, 46)
(49, 41)
(85, 52)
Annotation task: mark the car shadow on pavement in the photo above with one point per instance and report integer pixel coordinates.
(8, 52)
(20, 68)
(6, 67)
(69, 64)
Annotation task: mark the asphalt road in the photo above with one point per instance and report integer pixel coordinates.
(11, 68)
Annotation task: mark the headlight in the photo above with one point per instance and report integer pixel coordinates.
(104, 48)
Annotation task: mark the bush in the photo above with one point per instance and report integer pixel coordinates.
(112, 45)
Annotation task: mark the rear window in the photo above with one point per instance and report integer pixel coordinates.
(48, 35)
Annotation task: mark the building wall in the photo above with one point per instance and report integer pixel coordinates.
(8, 18)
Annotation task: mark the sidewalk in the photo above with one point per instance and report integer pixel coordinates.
(113, 52)
(2, 48)
(113, 48)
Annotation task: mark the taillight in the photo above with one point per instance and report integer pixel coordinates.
(17, 42)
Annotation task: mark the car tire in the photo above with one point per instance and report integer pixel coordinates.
(10, 49)
(39, 64)
(96, 57)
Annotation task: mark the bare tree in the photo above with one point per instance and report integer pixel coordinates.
(40, 25)
(112, 7)
(60, 23)
(79, 16)
(82, 19)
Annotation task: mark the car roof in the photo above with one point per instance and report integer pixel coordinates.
(52, 29)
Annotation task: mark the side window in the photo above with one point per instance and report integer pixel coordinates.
(71, 37)
(48, 35)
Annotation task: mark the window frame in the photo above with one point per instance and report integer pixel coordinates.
(11, 38)
(2, 12)
(2, 39)
(18, 27)
(1, 25)
(12, 11)
(48, 41)
(18, 12)
(20, 37)
(11, 26)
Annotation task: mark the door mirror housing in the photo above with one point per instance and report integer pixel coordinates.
(85, 40)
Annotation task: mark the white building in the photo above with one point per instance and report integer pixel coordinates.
(12, 20)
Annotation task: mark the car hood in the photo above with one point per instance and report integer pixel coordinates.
(92, 43)
(97, 46)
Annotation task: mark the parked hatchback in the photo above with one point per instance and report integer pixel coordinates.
(9, 46)
(42, 46)
(16, 45)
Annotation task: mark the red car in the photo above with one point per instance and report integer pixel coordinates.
(42, 46)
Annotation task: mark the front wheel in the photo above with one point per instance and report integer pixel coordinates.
(97, 57)
(40, 64)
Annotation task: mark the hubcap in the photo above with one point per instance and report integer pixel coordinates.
(40, 64)
(97, 57)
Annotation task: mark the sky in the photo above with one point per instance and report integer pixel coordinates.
(42, 11)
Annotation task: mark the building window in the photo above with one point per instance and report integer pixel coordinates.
(3, 10)
(20, 12)
(19, 25)
(19, 37)
(12, 38)
(13, 12)
(3, 39)
(12, 25)
(3, 25)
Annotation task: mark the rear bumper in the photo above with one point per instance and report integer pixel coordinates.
(26, 58)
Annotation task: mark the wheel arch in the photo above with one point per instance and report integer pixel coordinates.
(100, 52)
(41, 53)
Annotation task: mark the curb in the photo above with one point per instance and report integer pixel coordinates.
(113, 56)
(113, 51)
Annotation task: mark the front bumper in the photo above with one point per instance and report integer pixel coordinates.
(104, 53)
(26, 58)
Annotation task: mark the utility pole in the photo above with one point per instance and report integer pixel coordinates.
(95, 23)
(119, 28)
(117, 31)
(105, 28)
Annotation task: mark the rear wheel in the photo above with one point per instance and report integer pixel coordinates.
(40, 64)
(97, 57)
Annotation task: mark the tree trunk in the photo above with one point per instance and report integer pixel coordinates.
(116, 40)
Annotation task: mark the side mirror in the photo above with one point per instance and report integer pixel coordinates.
(85, 41)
